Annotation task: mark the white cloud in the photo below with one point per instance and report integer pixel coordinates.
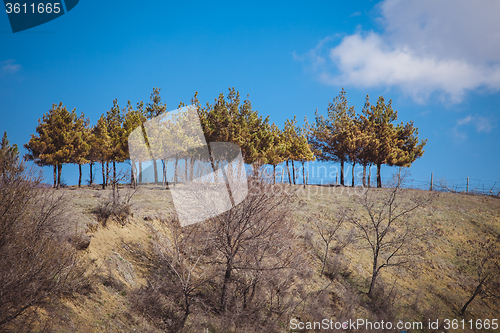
(448, 46)
(479, 123)
(464, 121)
(9, 66)
(483, 124)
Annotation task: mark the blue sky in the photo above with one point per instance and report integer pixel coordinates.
(438, 61)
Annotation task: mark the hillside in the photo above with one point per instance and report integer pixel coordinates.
(429, 287)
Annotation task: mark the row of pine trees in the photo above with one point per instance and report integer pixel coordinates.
(370, 138)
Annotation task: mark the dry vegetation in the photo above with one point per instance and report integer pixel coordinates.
(285, 252)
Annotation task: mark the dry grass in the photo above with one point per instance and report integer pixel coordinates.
(435, 284)
(432, 289)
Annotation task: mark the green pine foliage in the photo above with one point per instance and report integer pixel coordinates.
(9, 156)
(59, 140)
(371, 137)
(368, 138)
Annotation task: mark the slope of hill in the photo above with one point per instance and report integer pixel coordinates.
(428, 288)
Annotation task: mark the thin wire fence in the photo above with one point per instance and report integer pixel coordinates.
(318, 176)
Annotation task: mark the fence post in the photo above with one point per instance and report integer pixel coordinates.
(432, 174)
(336, 178)
(467, 191)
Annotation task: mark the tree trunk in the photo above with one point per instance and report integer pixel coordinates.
(155, 168)
(225, 284)
(175, 170)
(324, 259)
(342, 172)
(132, 174)
(186, 310)
(80, 176)
(374, 275)
(289, 176)
(476, 292)
(304, 174)
(274, 173)
(369, 175)
(191, 169)
(245, 293)
(140, 172)
(379, 180)
(55, 176)
(107, 173)
(59, 172)
(353, 165)
(164, 173)
(91, 174)
(103, 176)
(293, 172)
(253, 291)
(114, 174)
(364, 175)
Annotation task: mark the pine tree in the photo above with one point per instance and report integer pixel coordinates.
(304, 152)
(332, 137)
(276, 153)
(408, 145)
(100, 143)
(133, 119)
(9, 156)
(229, 120)
(381, 117)
(297, 147)
(153, 109)
(80, 143)
(54, 143)
(117, 153)
(367, 141)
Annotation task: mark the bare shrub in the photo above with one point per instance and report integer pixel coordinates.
(240, 268)
(116, 205)
(480, 263)
(337, 266)
(174, 274)
(37, 264)
(327, 225)
(389, 228)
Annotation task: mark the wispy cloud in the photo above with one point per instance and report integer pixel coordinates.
(473, 122)
(464, 121)
(483, 124)
(355, 14)
(9, 66)
(450, 47)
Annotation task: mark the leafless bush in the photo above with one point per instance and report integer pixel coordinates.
(244, 260)
(174, 274)
(389, 228)
(116, 205)
(480, 264)
(327, 225)
(337, 266)
(37, 264)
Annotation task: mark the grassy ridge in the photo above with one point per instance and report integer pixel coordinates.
(432, 289)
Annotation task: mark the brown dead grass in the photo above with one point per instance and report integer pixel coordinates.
(434, 285)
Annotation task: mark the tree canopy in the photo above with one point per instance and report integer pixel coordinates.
(371, 137)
